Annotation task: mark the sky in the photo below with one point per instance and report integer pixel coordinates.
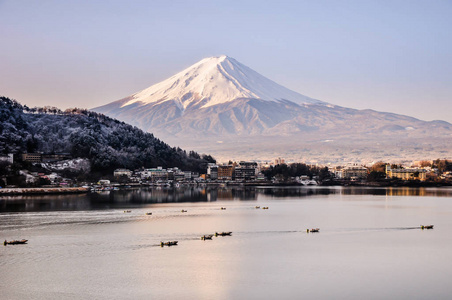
(391, 56)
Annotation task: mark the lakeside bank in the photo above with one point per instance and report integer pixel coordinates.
(38, 191)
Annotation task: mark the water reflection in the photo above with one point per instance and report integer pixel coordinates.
(140, 196)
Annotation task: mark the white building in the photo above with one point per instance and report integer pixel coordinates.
(122, 172)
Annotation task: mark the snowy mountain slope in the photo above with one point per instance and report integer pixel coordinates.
(212, 81)
(219, 99)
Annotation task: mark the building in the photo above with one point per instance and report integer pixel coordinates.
(246, 171)
(212, 171)
(188, 175)
(338, 172)
(406, 174)
(279, 161)
(178, 175)
(260, 176)
(226, 172)
(55, 157)
(354, 172)
(155, 174)
(8, 158)
(122, 172)
(32, 157)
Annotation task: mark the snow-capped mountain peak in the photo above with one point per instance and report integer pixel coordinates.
(216, 80)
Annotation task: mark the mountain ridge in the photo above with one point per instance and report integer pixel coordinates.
(209, 109)
(212, 81)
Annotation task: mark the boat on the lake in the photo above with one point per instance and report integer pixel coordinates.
(15, 242)
(170, 243)
(313, 230)
(207, 237)
(426, 226)
(223, 233)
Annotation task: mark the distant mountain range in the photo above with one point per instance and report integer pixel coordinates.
(222, 107)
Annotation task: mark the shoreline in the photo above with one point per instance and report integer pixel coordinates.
(81, 190)
(43, 191)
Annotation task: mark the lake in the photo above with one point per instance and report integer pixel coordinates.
(370, 244)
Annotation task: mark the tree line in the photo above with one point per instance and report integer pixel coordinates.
(106, 142)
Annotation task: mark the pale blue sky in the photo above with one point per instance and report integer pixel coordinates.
(386, 55)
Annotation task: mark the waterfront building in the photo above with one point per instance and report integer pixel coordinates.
(338, 172)
(246, 171)
(406, 174)
(212, 171)
(155, 174)
(226, 172)
(354, 172)
(122, 172)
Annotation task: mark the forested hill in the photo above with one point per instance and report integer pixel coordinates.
(106, 142)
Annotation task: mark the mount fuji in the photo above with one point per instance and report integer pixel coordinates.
(221, 107)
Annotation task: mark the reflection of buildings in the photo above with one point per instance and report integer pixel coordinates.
(406, 174)
(406, 191)
(236, 193)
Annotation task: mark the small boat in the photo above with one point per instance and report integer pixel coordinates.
(170, 243)
(127, 211)
(265, 207)
(223, 233)
(183, 210)
(15, 242)
(313, 230)
(207, 237)
(148, 214)
(223, 208)
(426, 226)
(257, 206)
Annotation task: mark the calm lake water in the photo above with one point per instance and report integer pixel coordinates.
(369, 246)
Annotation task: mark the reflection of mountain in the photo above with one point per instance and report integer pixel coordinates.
(221, 107)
